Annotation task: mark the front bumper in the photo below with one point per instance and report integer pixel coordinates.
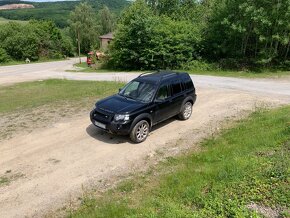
(120, 128)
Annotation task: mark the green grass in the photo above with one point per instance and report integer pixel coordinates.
(4, 21)
(244, 164)
(243, 74)
(42, 60)
(225, 73)
(4, 181)
(33, 94)
(96, 69)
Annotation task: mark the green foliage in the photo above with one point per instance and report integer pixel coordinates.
(106, 20)
(4, 57)
(146, 41)
(245, 164)
(34, 40)
(198, 65)
(256, 30)
(83, 27)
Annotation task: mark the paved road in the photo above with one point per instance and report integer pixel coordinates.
(29, 72)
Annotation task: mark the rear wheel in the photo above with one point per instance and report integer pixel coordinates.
(186, 111)
(140, 131)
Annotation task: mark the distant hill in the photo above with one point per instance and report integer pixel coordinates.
(56, 11)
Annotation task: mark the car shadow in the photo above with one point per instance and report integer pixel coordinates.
(109, 138)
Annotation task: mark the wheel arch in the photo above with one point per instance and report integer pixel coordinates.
(187, 99)
(140, 117)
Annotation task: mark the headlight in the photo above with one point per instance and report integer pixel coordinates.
(122, 117)
(94, 107)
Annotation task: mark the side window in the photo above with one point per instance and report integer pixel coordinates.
(176, 88)
(162, 93)
(188, 84)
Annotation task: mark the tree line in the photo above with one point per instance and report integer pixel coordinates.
(174, 34)
(33, 40)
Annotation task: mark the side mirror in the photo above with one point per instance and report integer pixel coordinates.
(120, 89)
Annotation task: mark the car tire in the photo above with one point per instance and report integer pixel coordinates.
(186, 111)
(140, 131)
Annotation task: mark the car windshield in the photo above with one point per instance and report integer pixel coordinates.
(139, 91)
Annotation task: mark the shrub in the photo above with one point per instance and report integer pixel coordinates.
(4, 57)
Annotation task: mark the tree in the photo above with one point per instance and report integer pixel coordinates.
(144, 40)
(257, 31)
(106, 20)
(83, 27)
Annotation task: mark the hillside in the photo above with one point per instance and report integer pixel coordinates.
(56, 11)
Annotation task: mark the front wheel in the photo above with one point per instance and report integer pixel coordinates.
(186, 111)
(140, 131)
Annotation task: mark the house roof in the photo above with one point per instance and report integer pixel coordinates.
(107, 36)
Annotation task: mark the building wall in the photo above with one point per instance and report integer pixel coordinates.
(105, 43)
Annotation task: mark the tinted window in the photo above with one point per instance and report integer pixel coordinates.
(176, 87)
(188, 84)
(162, 93)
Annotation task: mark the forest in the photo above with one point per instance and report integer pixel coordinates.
(57, 12)
(235, 34)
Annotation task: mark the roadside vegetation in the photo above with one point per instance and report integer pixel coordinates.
(241, 172)
(232, 35)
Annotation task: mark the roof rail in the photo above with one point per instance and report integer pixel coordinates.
(142, 74)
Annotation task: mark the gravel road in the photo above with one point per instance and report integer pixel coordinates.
(50, 167)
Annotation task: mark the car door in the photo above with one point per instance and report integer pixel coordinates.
(177, 96)
(163, 103)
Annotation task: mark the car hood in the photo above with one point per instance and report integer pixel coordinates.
(119, 105)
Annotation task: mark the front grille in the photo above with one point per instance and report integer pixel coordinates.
(102, 116)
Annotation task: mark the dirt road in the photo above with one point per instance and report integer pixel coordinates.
(49, 167)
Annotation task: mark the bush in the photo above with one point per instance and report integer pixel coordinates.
(4, 57)
(198, 65)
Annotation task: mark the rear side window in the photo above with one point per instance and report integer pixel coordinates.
(176, 87)
(188, 84)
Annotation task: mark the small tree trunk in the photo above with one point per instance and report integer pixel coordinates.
(79, 47)
(287, 51)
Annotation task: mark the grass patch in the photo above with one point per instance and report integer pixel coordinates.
(33, 94)
(4, 21)
(42, 60)
(242, 74)
(248, 163)
(83, 67)
(4, 181)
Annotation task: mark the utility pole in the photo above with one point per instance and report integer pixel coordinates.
(79, 46)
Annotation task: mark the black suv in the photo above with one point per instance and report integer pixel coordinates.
(145, 101)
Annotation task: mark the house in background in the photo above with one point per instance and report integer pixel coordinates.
(105, 40)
